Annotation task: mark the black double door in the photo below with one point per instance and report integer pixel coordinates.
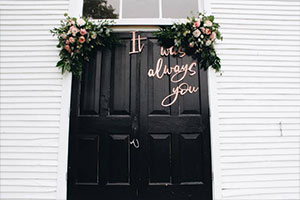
(124, 145)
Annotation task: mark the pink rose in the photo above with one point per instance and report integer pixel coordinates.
(74, 30)
(67, 48)
(191, 44)
(83, 32)
(67, 42)
(208, 23)
(213, 36)
(81, 39)
(196, 24)
(71, 40)
(196, 33)
(202, 29)
(207, 31)
(63, 36)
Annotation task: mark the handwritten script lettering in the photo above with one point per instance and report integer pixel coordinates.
(182, 89)
(171, 51)
(177, 73)
(174, 71)
(139, 45)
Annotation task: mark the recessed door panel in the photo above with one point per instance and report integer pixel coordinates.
(119, 153)
(120, 80)
(190, 158)
(90, 87)
(160, 158)
(87, 159)
(157, 88)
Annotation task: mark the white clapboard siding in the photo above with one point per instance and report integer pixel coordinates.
(30, 99)
(258, 99)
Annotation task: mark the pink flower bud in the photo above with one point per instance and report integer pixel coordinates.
(83, 32)
(71, 40)
(68, 49)
(196, 24)
(81, 39)
(207, 31)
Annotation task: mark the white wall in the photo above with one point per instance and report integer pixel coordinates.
(254, 157)
(31, 100)
(256, 102)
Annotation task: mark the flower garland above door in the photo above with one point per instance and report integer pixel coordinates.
(77, 38)
(196, 37)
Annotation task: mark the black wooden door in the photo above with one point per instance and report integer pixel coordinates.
(124, 144)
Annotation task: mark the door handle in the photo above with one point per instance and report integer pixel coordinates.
(135, 143)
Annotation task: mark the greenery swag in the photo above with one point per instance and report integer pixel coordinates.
(196, 37)
(79, 37)
(77, 40)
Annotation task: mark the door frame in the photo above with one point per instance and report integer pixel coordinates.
(75, 9)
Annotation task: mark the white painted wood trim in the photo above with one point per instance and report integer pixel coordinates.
(64, 138)
(146, 21)
(214, 136)
(160, 9)
(75, 9)
(214, 125)
(121, 10)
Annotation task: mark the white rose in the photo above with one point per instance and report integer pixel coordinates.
(94, 35)
(208, 42)
(80, 22)
(202, 36)
(196, 33)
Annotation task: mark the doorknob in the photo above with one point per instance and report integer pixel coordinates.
(135, 143)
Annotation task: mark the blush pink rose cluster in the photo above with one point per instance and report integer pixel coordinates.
(202, 30)
(77, 38)
(74, 37)
(196, 37)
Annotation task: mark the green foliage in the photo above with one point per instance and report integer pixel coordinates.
(196, 37)
(98, 9)
(77, 39)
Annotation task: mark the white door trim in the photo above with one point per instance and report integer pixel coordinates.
(214, 123)
(75, 9)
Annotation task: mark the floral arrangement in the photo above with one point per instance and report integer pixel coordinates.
(196, 37)
(77, 40)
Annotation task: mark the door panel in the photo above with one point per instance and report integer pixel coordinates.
(87, 170)
(157, 88)
(116, 102)
(159, 158)
(173, 137)
(103, 108)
